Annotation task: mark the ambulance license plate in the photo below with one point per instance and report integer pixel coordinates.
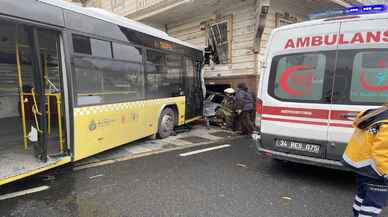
(298, 146)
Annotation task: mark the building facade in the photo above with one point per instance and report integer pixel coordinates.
(78, 2)
(234, 33)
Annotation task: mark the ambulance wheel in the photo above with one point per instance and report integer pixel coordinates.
(167, 122)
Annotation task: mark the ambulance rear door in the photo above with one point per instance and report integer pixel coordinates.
(361, 77)
(297, 90)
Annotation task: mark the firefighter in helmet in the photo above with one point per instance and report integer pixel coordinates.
(225, 114)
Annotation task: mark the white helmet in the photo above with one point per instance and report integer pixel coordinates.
(229, 91)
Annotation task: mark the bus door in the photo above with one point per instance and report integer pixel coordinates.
(193, 89)
(361, 79)
(30, 94)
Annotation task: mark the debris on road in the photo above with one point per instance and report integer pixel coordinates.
(286, 198)
(242, 165)
(96, 176)
(48, 178)
(256, 136)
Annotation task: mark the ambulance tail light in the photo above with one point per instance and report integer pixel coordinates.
(259, 112)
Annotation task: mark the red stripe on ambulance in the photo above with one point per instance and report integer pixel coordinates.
(296, 112)
(295, 121)
(304, 114)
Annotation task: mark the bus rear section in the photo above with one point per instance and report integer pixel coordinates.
(319, 75)
(32, 135)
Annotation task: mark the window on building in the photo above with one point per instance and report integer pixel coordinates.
(116, 3)
(219, 42)
(93, 3)
(284, 19)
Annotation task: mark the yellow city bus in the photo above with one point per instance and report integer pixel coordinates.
(78, 81)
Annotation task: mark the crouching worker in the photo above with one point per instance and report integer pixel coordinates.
(367, 155)
(225, 114)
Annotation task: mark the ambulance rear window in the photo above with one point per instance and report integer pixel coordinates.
(370, 77)
(298, 77)
(373, 59)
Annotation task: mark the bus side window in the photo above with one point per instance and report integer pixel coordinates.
(88, 85)
(174, 75)
(82, 45)
(127, 53)
(154, 69)
(91, 46)
(128, 77)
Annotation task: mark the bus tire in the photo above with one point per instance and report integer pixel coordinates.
(167, 122)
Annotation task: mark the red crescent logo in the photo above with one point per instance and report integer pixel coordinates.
(283, 80)
(364, 84)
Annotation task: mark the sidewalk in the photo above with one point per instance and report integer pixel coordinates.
(198, 135)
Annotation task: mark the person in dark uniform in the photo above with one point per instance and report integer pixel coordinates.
(244, 108)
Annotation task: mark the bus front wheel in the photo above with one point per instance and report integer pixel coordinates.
(167, 122)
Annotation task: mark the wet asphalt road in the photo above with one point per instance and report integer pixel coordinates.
(232, 182)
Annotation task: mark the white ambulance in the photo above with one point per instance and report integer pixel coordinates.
(316, 77)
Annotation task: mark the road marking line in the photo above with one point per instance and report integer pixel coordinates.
(135, 156)
(24, 192)
(204, 150)
(96, 176)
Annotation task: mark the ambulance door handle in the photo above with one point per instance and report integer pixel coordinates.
(350, 116)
